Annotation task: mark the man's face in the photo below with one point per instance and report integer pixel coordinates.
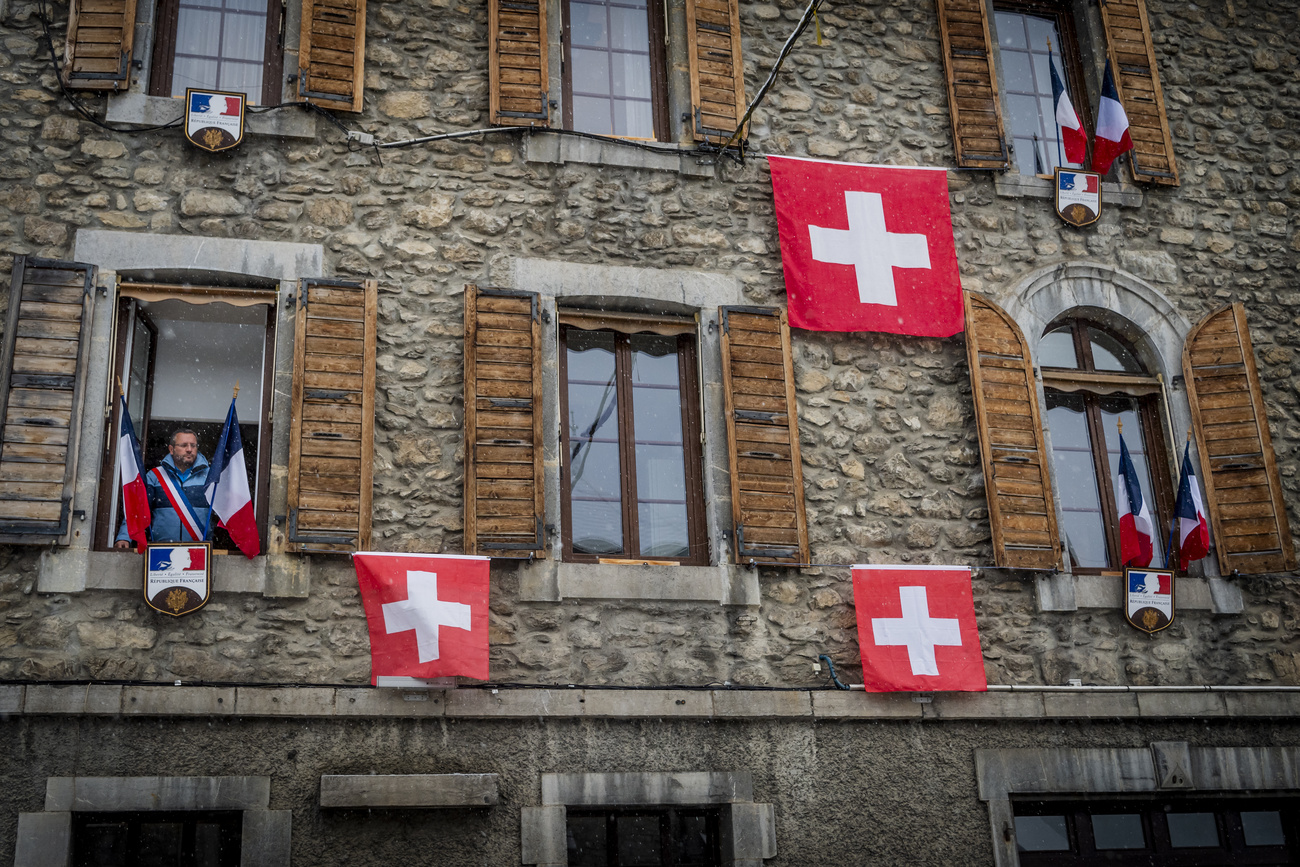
(184, 449)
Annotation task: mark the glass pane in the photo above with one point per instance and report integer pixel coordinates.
(1056, 349)
(631, 76)
(1109, 354)
(1024, 115)
(1114, 409)
(102, 845)
(595, 492)
(160, 844)
(1029, 160)
(588, 25)
(1017, 72)
(1075, 480)
(638, 841)
(1120, 831)
(586, 841)
(1042, 834)
(692, 841)
(660, 452)
(141, 343)
(629, 27)
(591, 73)
(245, 78)
(1192, 830)
(1041, 30)
(592, 114)
(1263, 828)
(198, 32)
(1011, 30)
(244, 37)
(633, 118)
(207, 844)
(192, 72)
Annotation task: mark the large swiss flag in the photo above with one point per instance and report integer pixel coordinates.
(916, 629)
(867, 248)
(427, 613)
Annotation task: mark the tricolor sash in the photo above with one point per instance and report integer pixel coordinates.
(176, 496)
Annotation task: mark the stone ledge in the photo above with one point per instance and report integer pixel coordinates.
(552, 581)
(1017, 186)
(380, 791)
(1068, 592)
(542, 147)
(95, 794)
(157, 110)
(561, 703)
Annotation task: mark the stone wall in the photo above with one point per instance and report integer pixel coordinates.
(889, 443)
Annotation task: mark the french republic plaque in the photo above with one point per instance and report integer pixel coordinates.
(1078, 196)
(178, 577)
(1149, 598)
(214, 119)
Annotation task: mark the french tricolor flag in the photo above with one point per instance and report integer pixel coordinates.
(1189, 516)
(1073, 139)
(1112, 138)
(135, 500)
(1135, 532)
(227, 489)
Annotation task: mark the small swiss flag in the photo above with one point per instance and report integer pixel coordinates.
(916, 629)
(867, 248)
(427, 614)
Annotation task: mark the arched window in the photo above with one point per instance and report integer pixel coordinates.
(1093, 381)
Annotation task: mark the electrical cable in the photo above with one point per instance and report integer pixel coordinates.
(831, 666)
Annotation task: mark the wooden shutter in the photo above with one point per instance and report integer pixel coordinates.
(518, 73)
(332, 53)
(1017, 483)
(1242, 488)
(505, 490)
(332, 434)
(1133, 62)
(717, 70)
(973, 102)
(42, 367)
(97, 54)
(763, 436)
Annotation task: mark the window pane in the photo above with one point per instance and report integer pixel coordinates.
(1024, 115)
(595, 492)
(1017, 71)
(1040, 30)
(1056, 349)
(1011, 30)
(586, 841)
(198, 31)
(591, 74)
(1263, 828)
(207, 844)
(631, 76)
(638, 841)
(588, 25)
(660, 452)
(592, 114)
(160, 844)
(245, 78)
(1074, 477)
(103, 845)
(633, 118)
(1042, 834)
(629, 27)
(610, 53)
(692, 841)
(244, 37)
(192, 72)
(1109, 354)
(1192, 830)
(1120, 831)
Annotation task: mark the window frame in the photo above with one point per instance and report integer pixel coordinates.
(110, 484)
(657, 33)
(1153, 433)
(692, 428)
(669, 823)
(228, 821)
(1069, 54)
(166, 18)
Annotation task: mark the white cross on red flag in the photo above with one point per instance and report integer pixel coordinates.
(867, 248)
(427, 615)
(916, 629)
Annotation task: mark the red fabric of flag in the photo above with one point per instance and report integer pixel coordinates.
(427, 614)
(916, 629)
(867, 248)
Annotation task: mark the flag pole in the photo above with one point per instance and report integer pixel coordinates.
(1060, 147)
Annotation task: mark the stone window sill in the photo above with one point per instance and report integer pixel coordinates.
(156, 110)
(70, 570)
(1017, 186)
(1066, 592)
(542, 147)
(552, 581)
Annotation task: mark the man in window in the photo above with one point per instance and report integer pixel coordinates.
(175, 488)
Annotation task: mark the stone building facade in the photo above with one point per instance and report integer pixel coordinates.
(623, 670)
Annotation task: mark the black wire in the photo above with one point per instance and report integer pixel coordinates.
(225, 684)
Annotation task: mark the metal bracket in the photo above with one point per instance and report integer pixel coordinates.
(318, 538)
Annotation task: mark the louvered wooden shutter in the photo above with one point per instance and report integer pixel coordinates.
(763, 436)
(505, 490)
(332, 53)
(518, 74)
(97, 54)
(717, 71)
(332, 434)
(1017, 483)
(973, 103)
(42, 367)
(1133, 62)
(1242, 488)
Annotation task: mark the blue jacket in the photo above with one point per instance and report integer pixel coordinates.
(165, 525)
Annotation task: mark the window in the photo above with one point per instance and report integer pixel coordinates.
(180, 352)
(1189, 831)
(1093, 383)
(631, 476)
(614, 68)
(1030, 36)
(178, 839)
(680, 837)
(230, 45)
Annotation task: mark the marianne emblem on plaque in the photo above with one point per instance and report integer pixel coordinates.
(1149, 598)
(178, 577)
(214, 119)
(1078, 196)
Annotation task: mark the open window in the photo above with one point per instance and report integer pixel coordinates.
(179, 353)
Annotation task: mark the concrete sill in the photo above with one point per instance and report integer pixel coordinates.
(1016, 186)
(552, 581)
(156, 110)
(541, 147)
(1066, 592)
(70, 570)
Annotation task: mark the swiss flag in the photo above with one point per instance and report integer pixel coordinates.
(427, 613)
(867, 248)
(916, 629)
